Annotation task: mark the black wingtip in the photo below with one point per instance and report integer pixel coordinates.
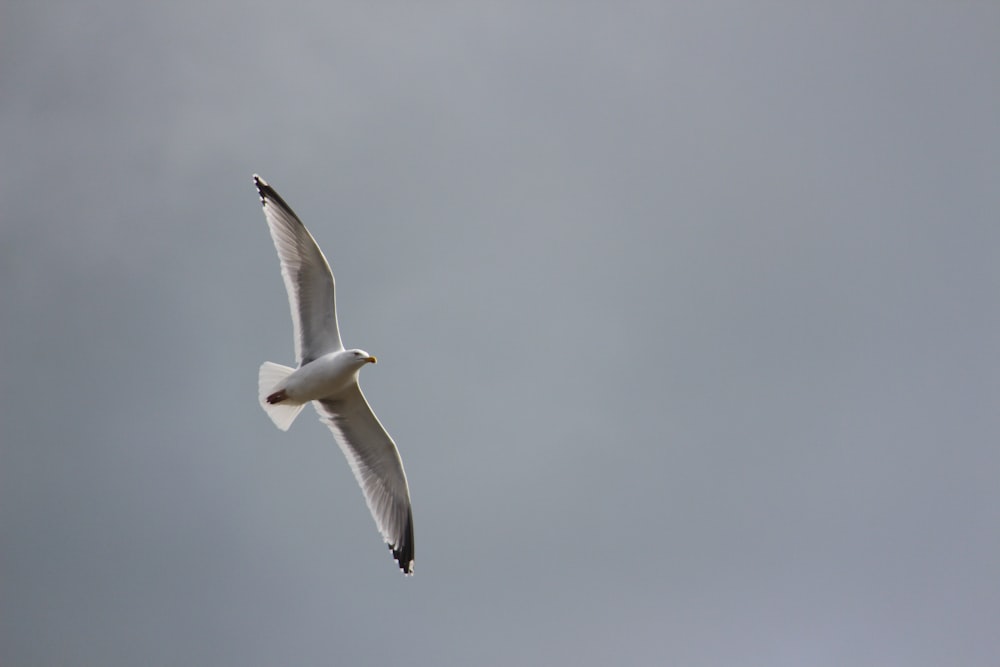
(403, 552)
(263, 189)
(268, 194)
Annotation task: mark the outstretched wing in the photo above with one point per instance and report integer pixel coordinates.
(307, 276)
(377, 467)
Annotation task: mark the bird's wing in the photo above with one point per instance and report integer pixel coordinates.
(377, 467)
(308, 278)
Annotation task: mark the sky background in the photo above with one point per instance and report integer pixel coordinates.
(687, 318)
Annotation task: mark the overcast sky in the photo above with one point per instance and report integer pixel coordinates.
(687, 318)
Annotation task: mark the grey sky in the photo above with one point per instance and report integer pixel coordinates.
(687, 320)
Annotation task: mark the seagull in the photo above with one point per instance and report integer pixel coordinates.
(327, 376)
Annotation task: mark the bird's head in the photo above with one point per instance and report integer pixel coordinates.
(362, 357)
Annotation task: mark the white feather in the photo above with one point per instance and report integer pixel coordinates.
(268, 381)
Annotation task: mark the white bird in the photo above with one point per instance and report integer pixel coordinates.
(327, 375)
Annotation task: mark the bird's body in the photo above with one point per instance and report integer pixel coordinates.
(320, 378)
(327, 376)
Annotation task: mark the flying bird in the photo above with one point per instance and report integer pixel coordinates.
(327, 376)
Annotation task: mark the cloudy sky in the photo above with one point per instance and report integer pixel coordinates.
(688, 320)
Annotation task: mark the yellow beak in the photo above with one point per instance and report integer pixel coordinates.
(373, 360)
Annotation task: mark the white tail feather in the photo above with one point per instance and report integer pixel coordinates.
(284, 413)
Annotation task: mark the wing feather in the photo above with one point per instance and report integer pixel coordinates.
(375, 462)
(308, 279)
